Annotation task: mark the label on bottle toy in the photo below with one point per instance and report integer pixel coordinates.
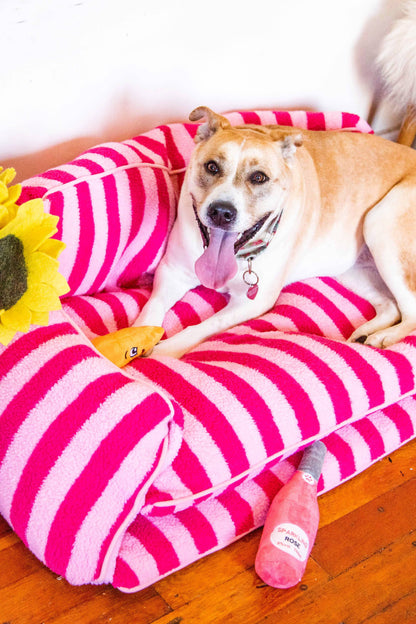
(291, 539)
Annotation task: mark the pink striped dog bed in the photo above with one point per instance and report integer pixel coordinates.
(123, 476)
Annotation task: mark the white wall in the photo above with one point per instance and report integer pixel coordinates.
(78, 72)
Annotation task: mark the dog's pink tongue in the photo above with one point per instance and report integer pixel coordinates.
(217, 265)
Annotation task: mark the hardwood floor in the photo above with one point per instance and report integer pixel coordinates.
(362, 569)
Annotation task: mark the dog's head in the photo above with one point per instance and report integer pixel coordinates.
(237, 177)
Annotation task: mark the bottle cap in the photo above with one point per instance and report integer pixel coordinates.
(313, 459)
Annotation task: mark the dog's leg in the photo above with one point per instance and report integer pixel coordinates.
(364, 279)
(389, 231)
(170, 284)
(238, 310)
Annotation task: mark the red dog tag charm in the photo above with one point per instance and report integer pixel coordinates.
(251, 278)
(252, 291)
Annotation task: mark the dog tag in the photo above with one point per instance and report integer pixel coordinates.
(251, 278)
(252, 291)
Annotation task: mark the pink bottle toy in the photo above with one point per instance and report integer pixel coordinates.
(291, 524)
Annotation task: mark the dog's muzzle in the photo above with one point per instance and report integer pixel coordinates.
(218, 264)
(226, 213)
(222, 214)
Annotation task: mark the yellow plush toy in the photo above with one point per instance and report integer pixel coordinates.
(122, 346)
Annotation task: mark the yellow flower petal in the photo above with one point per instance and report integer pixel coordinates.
(40, 234)
(12, 210)
(32, 210)
(44, 269)
(14, 194)
(40, 268)
(17, 318)
(60, 284)
(52, 247)
(28, 215)
(31, 224)
(41, 298)
(4, 193)
(4, 216)
(6, 335)
(32, 237)
(40, 318)
(8, 175)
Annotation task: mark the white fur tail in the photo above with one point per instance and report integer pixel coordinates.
(397, 59)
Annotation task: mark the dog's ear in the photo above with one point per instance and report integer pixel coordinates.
(290, 144)
(214, 122)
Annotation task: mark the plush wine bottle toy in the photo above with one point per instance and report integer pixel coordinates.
(291, 524)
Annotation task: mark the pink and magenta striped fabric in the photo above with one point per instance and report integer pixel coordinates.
(122, 198)
(122, 476)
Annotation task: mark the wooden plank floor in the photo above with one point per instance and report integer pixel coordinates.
(362, 569)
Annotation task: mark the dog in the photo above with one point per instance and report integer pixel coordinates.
(264, 206)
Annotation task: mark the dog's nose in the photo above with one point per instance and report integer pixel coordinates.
(222, 214)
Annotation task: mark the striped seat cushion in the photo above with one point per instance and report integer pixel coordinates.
(260, 390)
(122, 476)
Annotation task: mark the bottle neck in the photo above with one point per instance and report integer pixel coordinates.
(312, 459)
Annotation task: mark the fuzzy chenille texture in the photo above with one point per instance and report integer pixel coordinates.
(124, 475)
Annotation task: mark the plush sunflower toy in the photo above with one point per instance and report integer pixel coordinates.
(30, 284)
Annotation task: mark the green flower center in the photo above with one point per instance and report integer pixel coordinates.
(13, 271)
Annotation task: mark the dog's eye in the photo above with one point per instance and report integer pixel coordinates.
(258, 177)
(212, 167)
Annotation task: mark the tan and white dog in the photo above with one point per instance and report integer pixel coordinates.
(263, 206)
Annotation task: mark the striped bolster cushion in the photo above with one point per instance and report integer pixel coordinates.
(122, 476)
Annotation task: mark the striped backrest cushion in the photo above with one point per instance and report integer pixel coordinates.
(117, 201)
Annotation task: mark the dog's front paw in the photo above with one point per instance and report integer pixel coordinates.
(358, 336)
(373, 340)
(176, 346)
(388, 336)
(169, 348)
